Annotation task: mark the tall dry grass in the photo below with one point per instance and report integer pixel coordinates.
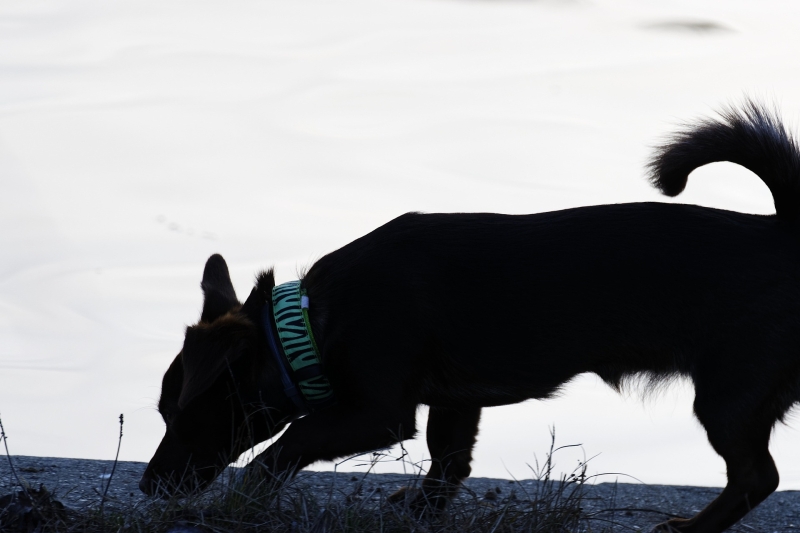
(237, 504)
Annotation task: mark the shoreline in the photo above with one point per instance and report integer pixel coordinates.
(633, 506)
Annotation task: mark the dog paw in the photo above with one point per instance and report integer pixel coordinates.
(405, 495)
(418, 502)
(255, 478)
(413, 500)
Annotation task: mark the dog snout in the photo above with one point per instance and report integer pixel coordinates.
(159, 486)
(148, 485)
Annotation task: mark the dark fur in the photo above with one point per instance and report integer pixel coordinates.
(464, 311)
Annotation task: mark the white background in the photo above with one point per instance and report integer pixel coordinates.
(139, 137)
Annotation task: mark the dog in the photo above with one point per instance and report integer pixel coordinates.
(469, 310)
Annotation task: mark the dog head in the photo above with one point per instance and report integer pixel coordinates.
(222, 393)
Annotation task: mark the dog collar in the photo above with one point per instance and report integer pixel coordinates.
(296, 350)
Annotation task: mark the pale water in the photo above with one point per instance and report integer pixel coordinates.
(137, 138)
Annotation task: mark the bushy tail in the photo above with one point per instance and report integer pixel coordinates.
(752, 136)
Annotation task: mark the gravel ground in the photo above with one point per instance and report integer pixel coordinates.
(78, 483)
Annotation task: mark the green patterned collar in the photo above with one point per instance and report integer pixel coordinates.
(290, 312)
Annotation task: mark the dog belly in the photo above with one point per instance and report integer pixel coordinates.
(488, 372)
(454, 385)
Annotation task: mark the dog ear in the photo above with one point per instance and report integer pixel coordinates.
(219, 296)
(259, 296)
(210, 351)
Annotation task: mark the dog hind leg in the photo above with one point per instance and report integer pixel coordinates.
(742, 440)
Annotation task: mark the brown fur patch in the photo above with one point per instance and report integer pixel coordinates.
(209, 349)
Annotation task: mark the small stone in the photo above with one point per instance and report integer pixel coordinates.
(354, 478)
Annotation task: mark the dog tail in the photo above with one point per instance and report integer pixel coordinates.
(752, 136)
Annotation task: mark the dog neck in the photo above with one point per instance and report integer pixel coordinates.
(291, 342)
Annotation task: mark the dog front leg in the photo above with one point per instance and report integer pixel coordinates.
(335, 432)
(451, 436)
